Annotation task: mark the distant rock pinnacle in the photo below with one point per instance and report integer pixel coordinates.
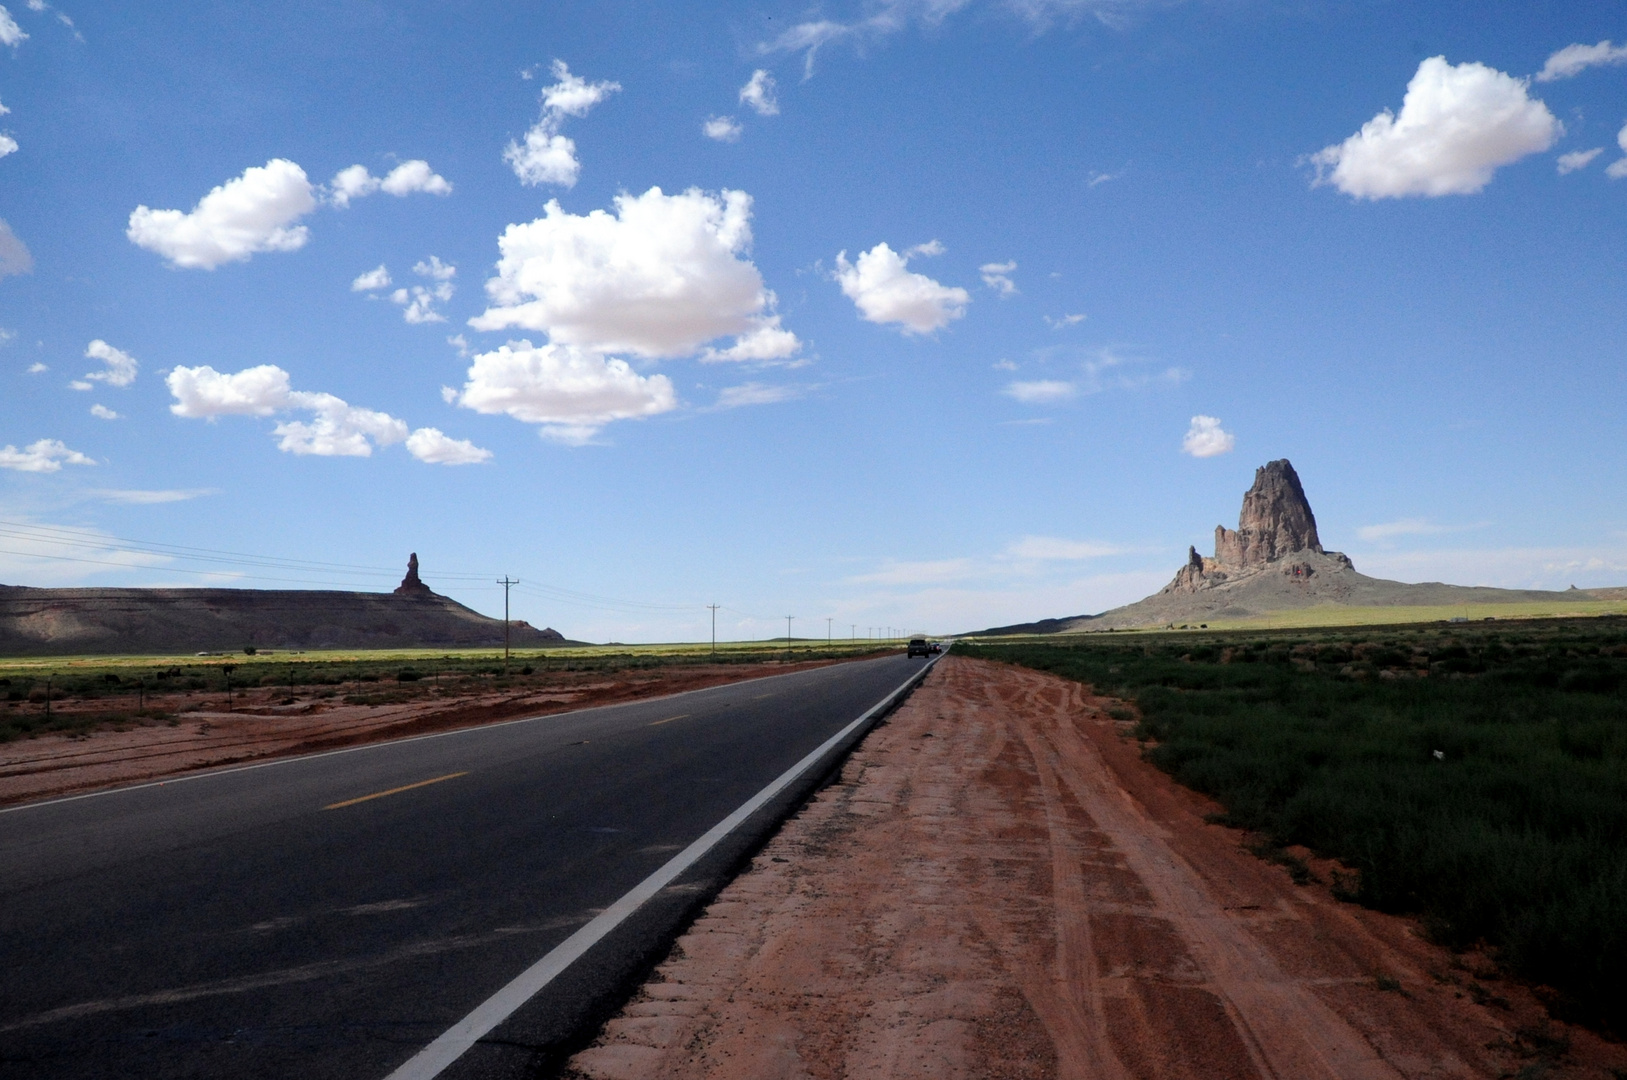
(412, 585)
(1276, 520)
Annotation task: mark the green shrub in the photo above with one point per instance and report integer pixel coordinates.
(1515, 836)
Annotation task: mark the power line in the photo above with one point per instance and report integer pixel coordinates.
(87, 538)
(165, 569)
(571, 596)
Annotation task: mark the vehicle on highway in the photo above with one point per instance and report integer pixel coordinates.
(937, 647)
(919, 647)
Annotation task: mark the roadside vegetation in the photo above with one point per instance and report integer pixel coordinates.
(70, 695)
(1472, 774)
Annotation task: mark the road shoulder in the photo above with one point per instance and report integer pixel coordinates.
(998, 886)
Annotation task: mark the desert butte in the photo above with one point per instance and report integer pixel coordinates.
(1272, 568)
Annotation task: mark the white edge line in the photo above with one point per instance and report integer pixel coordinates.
(206, 774)
(451, 1045)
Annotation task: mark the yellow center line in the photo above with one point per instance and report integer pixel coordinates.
(394, 790)
(669, 719)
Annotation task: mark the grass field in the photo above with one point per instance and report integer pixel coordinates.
(1474, 774)
(1331, 615)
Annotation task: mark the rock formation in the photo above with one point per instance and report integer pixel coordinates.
(44, 622)
(1273, 562)
(1276, 520)
(1275, 523)
(412, 585)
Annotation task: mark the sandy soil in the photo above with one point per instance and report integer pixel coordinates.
(998, 886)
(264, 723)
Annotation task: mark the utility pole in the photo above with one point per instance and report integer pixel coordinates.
(714, 608)
(827, 632)
(506, 584)
(788, 619)
(853, 630)
(48, 679)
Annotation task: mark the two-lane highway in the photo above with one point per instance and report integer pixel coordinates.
(333, 915)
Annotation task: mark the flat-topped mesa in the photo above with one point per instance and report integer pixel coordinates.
(412, 585)
(1276, 520)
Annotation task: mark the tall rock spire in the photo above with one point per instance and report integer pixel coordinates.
(1276, 520)
(412, 585)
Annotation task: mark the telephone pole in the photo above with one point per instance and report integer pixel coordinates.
(827, 632)
(714, 608)
(506, 584)
(788, 619)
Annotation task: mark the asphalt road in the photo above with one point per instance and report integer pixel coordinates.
(329, 916)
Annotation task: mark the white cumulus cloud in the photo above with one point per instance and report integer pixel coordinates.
(10, 33)
(335, 428)
(1064, 322)
(433, 267)
(349, 183)
(430, 445)
(722, 129)
(411, 176)
(202, 393)
(121, 366)
(1575, 59)
(372, 281)
(1577, 159)
(546, 156)
(41, 456)
(1040, 391)
(102, 412)
(1457, 126)
(1206, 439)
(885, 291)
(570, 392)
(251, 213)
(997, 276)
(8, 145)
(759, 94)
(1618, 168)
(766, 343)
(420, 300)
(356, 182)
(661, 277)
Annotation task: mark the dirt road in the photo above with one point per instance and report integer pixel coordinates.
(998, 886)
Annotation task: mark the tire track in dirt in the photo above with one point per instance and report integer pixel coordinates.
(1289, 1032)
(997, 886)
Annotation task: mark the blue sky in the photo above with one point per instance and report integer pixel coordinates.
(932, 315)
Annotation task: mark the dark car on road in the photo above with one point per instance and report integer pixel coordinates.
(920, 647)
